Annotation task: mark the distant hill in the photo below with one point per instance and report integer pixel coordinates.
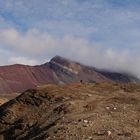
(17, 78)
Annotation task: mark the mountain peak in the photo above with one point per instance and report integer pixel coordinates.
(59, 59)
(66, 64)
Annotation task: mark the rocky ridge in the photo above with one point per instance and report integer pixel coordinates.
(18, 78)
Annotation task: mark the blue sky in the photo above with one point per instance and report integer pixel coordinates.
(94, 32)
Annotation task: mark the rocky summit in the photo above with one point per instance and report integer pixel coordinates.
(84, 111)
(18, 78)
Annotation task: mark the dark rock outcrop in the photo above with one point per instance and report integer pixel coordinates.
(30, 115)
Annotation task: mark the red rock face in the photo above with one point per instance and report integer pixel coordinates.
(17, 78)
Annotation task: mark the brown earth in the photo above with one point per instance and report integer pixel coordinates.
(6, 97)
(3, 100)
(104, 111)
(18, 78)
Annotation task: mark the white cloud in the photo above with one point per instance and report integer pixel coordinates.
(38, 43)
(22, 60)
(34, 47)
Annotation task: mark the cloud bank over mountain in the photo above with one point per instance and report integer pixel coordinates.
(34, 47)
(101, 33)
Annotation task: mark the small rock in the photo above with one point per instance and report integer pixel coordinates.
(75, 123)
(100, 133)
(90, 138)
(79, 120)
(85, 125)
(115, 108)
(108, 133)
(85, 121)
(107, 107)
(89, 95)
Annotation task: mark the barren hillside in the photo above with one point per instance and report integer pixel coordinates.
(102, 111)
(18, 78)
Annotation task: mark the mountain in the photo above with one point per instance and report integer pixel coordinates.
(17, 78)
(103, 111)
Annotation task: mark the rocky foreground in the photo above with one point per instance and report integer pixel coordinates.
(73, 112)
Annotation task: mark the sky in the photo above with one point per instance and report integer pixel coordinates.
(101, 33)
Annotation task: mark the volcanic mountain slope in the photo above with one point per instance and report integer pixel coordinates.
(18, 78)
(73, 112)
